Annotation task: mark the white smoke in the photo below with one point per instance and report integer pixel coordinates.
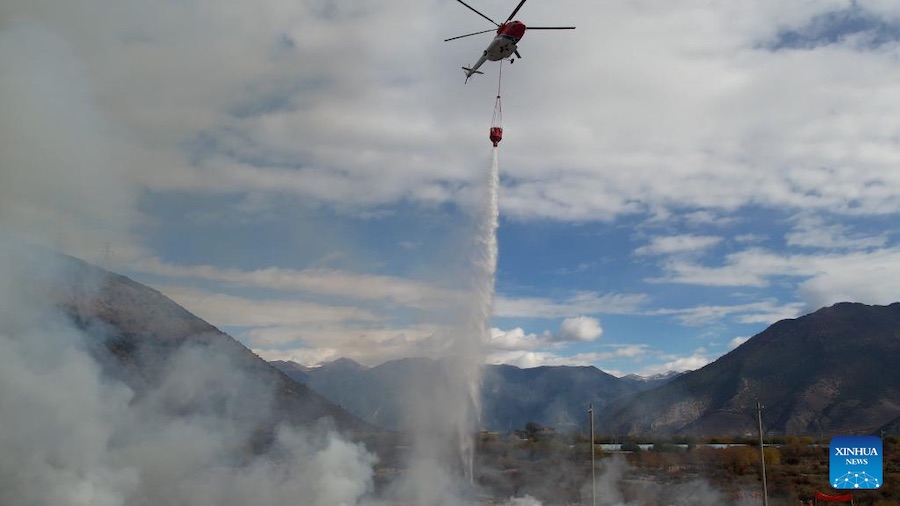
(523, 501)
(611, 490)
(65, 171)
(72, 434)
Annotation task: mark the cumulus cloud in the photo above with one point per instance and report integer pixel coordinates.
(523, 349)
(518, 339)
(577, 329)
(581, 328)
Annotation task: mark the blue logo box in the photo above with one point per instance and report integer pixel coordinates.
(856, 462)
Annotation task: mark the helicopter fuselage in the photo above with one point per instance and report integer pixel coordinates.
(503, 46)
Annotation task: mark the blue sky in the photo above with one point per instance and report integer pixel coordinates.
(676, 176)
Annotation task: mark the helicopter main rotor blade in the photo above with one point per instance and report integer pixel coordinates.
(550, 28)
(469, 34)
(473, 9)
(515, 10)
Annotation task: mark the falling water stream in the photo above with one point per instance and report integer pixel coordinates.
(485, 266)
(446, 407)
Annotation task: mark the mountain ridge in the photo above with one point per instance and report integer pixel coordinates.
(831, 371)
(827, 372)
(137, 335)
(511, 396)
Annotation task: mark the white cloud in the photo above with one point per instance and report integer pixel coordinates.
(529, 358)
(517, 347)
(581, 303)
(572, 330)
(369, 345)
(708, 218)
(221, 309)
(871, 277)
(766, 311)
(815, 232)
(678, 244)
(524, 359)
(302, 356)
(750, 268)
(749, 238)
(692, 362)
(313, 332)
(737, 341)
(517, 339)
(580, 328)
(695, 121)
(389, 289)
(261, 106)
(778, 128)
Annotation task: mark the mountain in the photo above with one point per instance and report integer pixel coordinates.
(165, 354)
(552, 396)
(556, 396)
(830, 372)
(656, 379)
(378, 395)
(292, 370)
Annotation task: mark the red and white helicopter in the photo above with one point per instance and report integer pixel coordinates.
(509, 33)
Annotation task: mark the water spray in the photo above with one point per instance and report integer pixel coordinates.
(447, 408)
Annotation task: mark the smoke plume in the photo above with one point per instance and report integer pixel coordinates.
(74, 433)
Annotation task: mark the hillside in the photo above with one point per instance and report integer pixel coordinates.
(830, 372)
(141, 337)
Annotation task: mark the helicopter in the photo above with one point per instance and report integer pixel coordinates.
(509, 33)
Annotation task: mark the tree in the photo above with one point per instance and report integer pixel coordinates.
(532, 430)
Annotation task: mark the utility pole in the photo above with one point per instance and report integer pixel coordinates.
(107, 256)
(593, 467)
(762, 454)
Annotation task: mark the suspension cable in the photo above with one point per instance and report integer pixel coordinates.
(497, 120)
(499, 78)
